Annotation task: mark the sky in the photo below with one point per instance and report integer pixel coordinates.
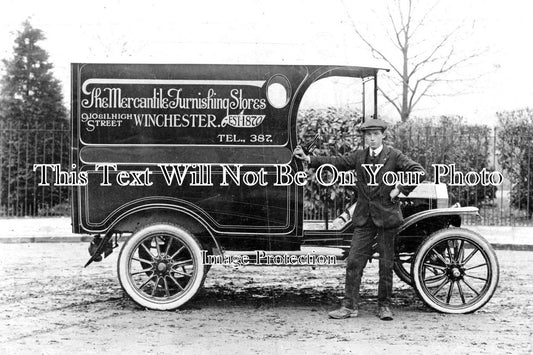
(285, 32)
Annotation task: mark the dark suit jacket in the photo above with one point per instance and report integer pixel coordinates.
(374, 201)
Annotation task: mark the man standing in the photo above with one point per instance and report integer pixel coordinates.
(377, 213)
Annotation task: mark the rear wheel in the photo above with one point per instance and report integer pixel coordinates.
(455, 271)
(402, 267)
(160, 267)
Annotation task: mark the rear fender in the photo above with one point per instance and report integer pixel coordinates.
(133, 220)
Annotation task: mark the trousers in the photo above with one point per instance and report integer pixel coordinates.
(361, 249)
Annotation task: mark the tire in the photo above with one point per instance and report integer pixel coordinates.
(462, 267)
(402, 267)
(172, 273)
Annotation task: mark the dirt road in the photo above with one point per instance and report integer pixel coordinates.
(51, 305)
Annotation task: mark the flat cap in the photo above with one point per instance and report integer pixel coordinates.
(373, 124)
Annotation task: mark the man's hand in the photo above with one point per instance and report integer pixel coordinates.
(394, 194)
(299, 153)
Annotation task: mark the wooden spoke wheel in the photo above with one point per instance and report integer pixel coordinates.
(160, 267)
(455, 271)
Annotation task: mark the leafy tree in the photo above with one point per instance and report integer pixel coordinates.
(336, 128)
(30, 94)
(32, 115)
(515, 150)
(448, 140)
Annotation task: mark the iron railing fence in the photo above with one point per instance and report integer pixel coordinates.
(22, 146)
(509, 204)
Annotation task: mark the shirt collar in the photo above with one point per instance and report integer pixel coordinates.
(377, 150)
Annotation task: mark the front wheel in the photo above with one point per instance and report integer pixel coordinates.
(455, 271)
(160, 267)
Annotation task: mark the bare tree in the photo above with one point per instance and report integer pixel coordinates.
(419, 58)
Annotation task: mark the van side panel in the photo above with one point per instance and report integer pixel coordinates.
(141, 119)
(148, 118)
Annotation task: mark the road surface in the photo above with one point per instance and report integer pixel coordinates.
(50, 304)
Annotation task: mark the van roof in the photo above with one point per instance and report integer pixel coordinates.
(332, 69)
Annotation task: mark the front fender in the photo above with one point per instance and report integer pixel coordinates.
(453, 214)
